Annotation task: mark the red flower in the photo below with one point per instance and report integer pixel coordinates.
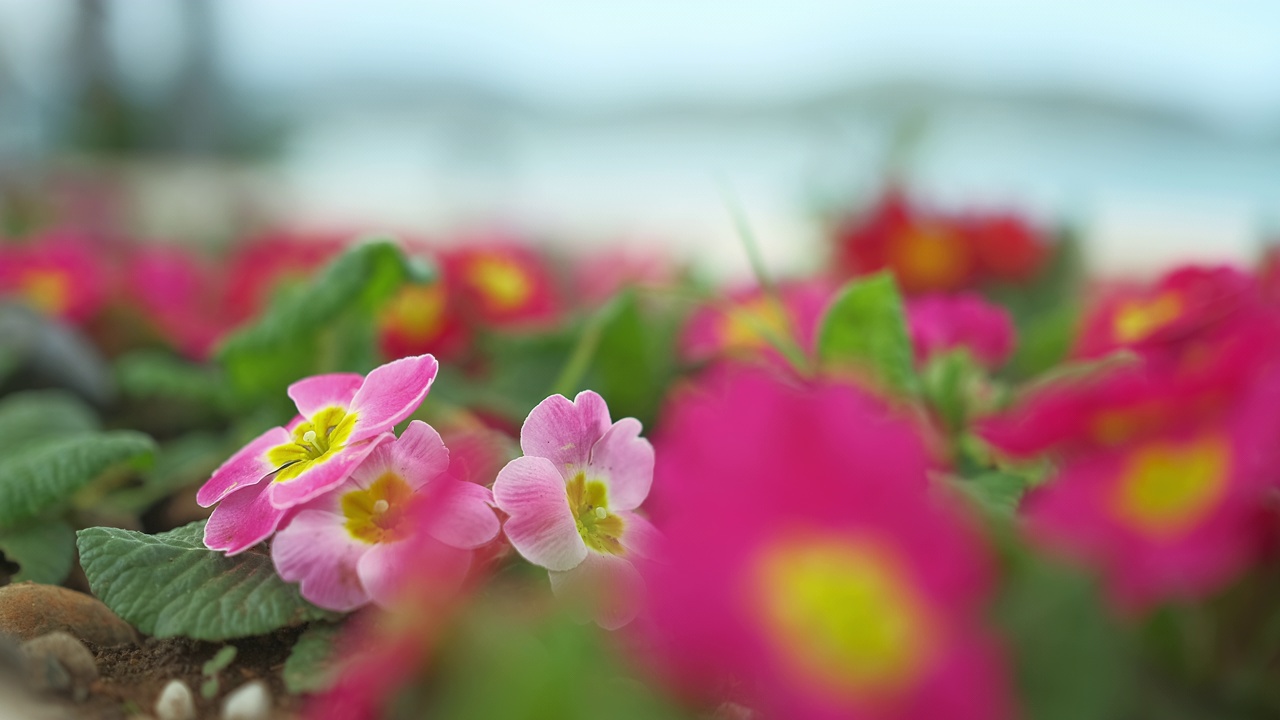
(60, 275)
(741, 325)
(503, 284)
(262, 266)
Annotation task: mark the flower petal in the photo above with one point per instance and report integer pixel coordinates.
(564, 432)
(639, 536)
(245, 468)
(541, 526)
(391, 393)
(243, 519)
(314, 549)
(624, 461)
(419, 455)
(465, 518)
(604, 588)
(325, 476)
(389, 568)
(321, 391)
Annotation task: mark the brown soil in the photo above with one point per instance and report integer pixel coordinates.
(132, 676)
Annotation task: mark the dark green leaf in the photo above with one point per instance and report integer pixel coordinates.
(171, 585)
(26, 417)
(310, 667)
(865, 328)
(42, 477)
(995, 490)
(150, 374)
(44, 549)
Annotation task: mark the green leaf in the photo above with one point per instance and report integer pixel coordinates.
(296, 335)
(997, 491)
(26, 417)
(42, 478)
(1070, 657)
(310, 667)
(151, 374)
(219, 662)
(186, 460)
(635, 361)
(865, 328)
(171, 585)
(44, 549)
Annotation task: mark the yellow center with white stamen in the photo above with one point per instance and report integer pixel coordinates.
(315, 441)
(373, 514)
(589, 503)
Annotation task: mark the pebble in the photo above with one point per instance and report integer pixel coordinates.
(12, 663)
(251, 701)
(59, 663)
(29, 610)
(176, 702)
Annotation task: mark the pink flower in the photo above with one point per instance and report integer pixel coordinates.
(352, 544)
(178, 292)
(964, 320)
(1174, 514)
(815, 574)
(342, 418)
(501, 283)
(740, 326)
(572, 501)
(61, 276)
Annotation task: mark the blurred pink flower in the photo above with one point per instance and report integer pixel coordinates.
(350, 545)
(740, 326)
(601, 276)
(945, 322)
(343, 418)
(501, 283)
(572, 501)
(60, 275)
(180, 294)
(810, 568)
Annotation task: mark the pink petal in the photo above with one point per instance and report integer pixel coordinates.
(243, 469)
(465, 517)
(327, 475)
(604, 588)
(624, 461)
(639, 536)
(541, 526)
(391, 393)
(314, 549)
(243, 519)
(419, 455)
(388, 569)
(321, 391)
(564, 432)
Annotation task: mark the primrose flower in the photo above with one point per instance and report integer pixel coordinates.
(740, 325)
(925, 254)
(59, 275)
(263, 266)
(352, 544)
(815, 574)
(342, 418)
(178, 294)
(422, 318)
(572, 500)
(940, 322)
(1176, 514)
(503, 284)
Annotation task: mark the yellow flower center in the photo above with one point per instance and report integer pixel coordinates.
(928, 258)
(374, 514)
(417, 311)
(743, 326)
(48, 291)
(314, 442)
(844, 616)
(589, 502)
(1137, 319)
(1165, 488)
(501, 280)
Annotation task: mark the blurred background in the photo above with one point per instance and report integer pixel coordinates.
(1150, 128)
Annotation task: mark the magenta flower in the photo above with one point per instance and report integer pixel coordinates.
(572, 501)
(964, 320)
(817, 577)
(342, 418)
(355, 543)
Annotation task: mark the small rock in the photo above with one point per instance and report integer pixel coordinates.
(176, 702)
(12, 662)
(59, 663)
(251, 701)
(29, 610)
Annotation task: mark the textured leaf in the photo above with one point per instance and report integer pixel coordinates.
(44, 549)
(995, 490)
(34, 415)
(42, 477)
(294, 337)
(171, 585)
(149, 373)
(183, 461)
(310, 666)
(865, 328)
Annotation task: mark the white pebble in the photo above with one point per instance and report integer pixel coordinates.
(251, 701)
(176, 702)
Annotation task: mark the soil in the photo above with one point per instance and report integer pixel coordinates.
(133, 676)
